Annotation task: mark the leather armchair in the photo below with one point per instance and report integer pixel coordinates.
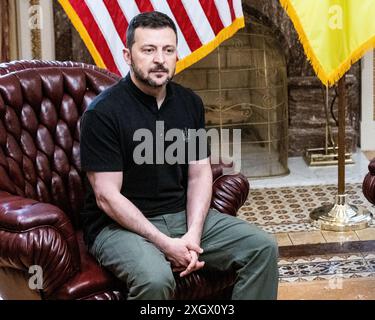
(41, 189)
(368, 185)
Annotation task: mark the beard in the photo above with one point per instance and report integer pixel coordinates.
(147, 80)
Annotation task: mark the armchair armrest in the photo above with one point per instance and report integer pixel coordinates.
(221, 168)
(34, 233)
(368, 185)
(229, 193)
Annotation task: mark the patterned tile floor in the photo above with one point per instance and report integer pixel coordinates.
(284, 212)
(280, 210)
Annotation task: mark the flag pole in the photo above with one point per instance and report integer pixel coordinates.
(341, 216)
(341, 135)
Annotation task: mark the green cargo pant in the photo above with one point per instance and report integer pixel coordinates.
(228, 242)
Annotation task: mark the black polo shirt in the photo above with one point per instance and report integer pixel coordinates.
(107, 144)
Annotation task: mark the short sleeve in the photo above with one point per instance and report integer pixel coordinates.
(99, 143)
(203, 149)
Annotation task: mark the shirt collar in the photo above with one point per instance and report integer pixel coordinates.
(148, 100)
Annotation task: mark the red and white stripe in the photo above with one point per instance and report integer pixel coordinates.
(198, 22)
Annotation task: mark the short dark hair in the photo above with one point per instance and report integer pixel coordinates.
(152, 20)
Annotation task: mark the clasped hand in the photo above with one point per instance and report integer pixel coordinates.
(183, 254)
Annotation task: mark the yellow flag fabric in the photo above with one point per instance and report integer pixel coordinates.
(334, 33)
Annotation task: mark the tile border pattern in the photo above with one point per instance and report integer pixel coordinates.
(327, 267)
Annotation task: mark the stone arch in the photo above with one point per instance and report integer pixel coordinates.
(243, 85)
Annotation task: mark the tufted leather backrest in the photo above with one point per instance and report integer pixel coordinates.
(40, 107)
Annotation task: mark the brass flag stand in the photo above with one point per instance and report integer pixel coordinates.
(341, 216)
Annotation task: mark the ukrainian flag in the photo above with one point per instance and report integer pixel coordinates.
(334, 33)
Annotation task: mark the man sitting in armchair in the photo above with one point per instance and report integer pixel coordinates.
(143, 222)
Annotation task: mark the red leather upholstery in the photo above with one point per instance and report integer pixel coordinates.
(41, 189)
(229, 193)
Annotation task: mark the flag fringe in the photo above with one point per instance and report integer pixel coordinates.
(353, 58)
(206, 49)
(333, 77)
(288, 7)
(80, 27)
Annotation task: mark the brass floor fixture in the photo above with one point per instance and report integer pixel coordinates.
(341, 216)
(328, 155)
(316, 157)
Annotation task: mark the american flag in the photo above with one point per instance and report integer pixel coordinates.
(201, 26)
